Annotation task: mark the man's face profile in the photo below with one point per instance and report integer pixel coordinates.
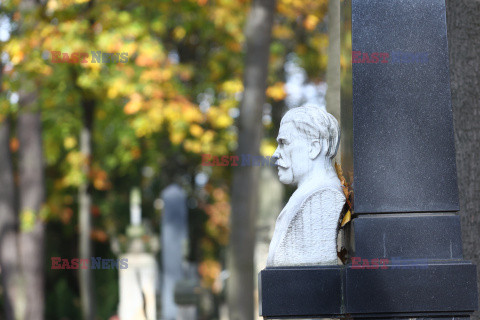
(292, 154)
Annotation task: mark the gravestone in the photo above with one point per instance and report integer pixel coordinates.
(138, 287)
(138, 281)
(398, 142)
(174, 238)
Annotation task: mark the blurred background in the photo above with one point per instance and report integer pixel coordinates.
(108, 110)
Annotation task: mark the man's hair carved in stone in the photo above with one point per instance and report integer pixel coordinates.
(315, 123)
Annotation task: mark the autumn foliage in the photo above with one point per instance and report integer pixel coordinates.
(176, 98)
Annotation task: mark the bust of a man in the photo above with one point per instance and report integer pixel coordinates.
(306, 229)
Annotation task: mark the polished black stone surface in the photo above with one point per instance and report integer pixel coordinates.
(346, 113)
(407, 236)
(401, 290)
(300, 292)
(447, 287)
(404, 152)
(416, 318)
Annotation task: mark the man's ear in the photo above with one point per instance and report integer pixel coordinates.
(315, 149)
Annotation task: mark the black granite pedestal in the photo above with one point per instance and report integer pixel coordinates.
(400, 290)
(301, 292)
(441, 288)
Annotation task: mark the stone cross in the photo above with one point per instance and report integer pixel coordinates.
(135, 207)
(138, 281)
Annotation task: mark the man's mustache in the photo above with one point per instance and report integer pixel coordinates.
(280, 163)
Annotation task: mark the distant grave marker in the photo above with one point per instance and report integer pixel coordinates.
(174, 237)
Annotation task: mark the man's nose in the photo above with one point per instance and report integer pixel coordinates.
(276, 155)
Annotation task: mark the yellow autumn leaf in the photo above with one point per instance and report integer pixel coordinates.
(282, 32)
(134, 105)
(177, 137)
(112, 92)
(193, 146)
(346, 218)
(310, 22)
(155, 115)
(17, 57)
(223, 121)
(207, 137)
(219, 118)
(95, 67)
(192, 114)
(267, 148)
(73, 179)
(52, 5)
(27, 220)
(75, 159)
(69, 142)
(196, 130)
(232, 86)
(277, 91)
(145, 60)
(142, 126)
(179, 33)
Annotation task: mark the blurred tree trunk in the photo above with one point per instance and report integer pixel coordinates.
(30, 302)
(87, 292)
(84, 213)
(8, 223)
(333, 67)
(245, 178)
(31, 198)
(463, 21)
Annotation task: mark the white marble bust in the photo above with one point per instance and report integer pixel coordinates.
(306, 229)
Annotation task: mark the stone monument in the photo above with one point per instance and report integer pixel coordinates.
(306, 229)
(397, 140)
(138, 281)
